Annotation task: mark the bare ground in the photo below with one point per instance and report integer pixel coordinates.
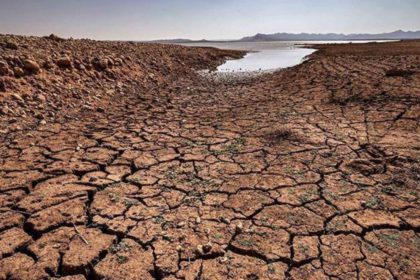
(308, 173)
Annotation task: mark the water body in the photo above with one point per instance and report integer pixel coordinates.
(265, 56)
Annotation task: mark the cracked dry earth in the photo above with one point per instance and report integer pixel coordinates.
(308, 173)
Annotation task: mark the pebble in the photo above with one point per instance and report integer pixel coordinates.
(223, 260)
(18, 97)
(11, 46)
(4, 68)
(200, 250)
(225, 220)
(41, 98)
(179, 248)
(181, 224)
(31, 66)
(207, 247)
(5, 110)
(64, 62)
(204, 249)
(18, 72)
(239, 228)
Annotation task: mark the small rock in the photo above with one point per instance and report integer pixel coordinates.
(181, 224)
(47, 64)
(204, 249)
(18, 97)
(110, 62)
(118, 61)
(54, 37)
(11, 45)
(80, 66)
(402, 224)
(4, 68)
(207, 248)
(179, 248)
(39, 116)
(239, 228)
(101, 63)
(43, 122)
(198, 220)
(41, 98)
(225, 220)
(31, 66)
(5, 110)
(18, 72)
(200, 250)
(223, 260)
(64, 62)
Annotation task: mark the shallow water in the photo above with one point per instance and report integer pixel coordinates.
(265, 56)
(266, 60)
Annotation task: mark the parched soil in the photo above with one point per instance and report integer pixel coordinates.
(119, 161)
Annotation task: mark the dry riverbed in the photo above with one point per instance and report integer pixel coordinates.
(121, 161)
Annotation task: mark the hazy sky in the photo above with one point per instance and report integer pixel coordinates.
(197, 19)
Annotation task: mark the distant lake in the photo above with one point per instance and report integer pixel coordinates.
(265, 56)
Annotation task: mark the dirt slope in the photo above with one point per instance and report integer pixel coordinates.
(308, 173)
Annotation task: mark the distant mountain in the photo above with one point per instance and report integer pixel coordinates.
(170, 41)
(178, 41)
(396, 35)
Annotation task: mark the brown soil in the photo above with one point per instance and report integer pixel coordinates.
(119, 161)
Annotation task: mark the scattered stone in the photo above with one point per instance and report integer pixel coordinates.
(11, 45)
(239, 227)
(181, 224)
(179, 248)
(64, 62)
(18, 97)
(4, 69)
(204, 249)
(31, 66)
(207, 248)
(18, 72)
(200, 250)
(41, 98)
(5, 110)
(101, 63)
(54, 37)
